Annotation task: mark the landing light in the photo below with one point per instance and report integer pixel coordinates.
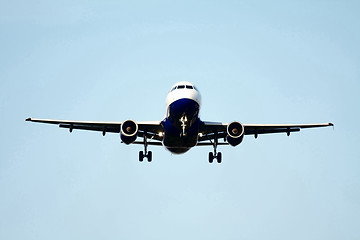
(161, 134)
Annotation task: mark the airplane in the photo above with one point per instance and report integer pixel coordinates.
(181, 129)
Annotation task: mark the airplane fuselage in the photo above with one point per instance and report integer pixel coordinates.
(181, 124)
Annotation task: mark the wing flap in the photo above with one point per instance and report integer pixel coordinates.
(104, 129)
(211, 144)
(256, 131)
(148, 143)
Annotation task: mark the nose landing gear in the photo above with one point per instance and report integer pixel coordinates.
(183, 121)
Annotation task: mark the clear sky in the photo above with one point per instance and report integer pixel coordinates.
(253, 61)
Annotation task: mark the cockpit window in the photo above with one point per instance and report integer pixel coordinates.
(196, 89)
(183, 87)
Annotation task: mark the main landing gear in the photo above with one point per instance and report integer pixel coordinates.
(145, 153)
(215, 154)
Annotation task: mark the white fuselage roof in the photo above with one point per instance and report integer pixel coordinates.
(182, 90)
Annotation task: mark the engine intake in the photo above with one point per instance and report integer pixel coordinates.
(129, 130)
(235, 133)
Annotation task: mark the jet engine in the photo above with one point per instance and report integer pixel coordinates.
(129, 130)
(235, 133)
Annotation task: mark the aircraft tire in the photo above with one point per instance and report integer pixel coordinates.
(219, 157)
(141, 156)
(149, 156)
(211, 157)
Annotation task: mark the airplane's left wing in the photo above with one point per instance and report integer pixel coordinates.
(255, 129)
(150, 128)
(212, 130)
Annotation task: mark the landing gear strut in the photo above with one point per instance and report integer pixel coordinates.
(215, 154)
(146, 153)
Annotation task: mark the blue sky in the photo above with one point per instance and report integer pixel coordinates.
(253, 61)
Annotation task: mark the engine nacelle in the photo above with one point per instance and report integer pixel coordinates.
(235, 133)
(129, 130)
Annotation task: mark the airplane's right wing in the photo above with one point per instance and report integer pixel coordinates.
(151, 129)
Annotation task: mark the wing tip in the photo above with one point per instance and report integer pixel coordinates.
(28, 119)
(331, 124)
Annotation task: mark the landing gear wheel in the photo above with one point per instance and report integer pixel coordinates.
(145, 153)
(149, 156)
(215, 154)
(211, 157)
(141, 156)
(218, 157)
